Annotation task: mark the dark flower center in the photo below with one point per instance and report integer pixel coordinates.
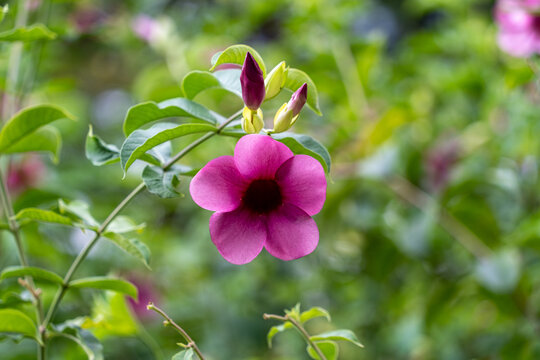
(262, 196)
(536, 24)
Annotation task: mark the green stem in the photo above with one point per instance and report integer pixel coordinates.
(300, 329)
(84, 252)
(185, 335)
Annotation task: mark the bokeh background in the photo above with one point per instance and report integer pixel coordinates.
(430, 235)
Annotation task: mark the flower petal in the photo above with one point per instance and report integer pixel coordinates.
(259, 156)
(218, 186)
(291, 233)
(239, 235)
(302, 182)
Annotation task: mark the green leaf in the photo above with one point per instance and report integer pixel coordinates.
(197, 81)
(35, 214)
(132, 246)
(80, 210)
(162, 183)
(304, 144)
(84, 338)
(3, 11)
(236, 54)
(46, 139)
(500, 272)
(313, 313)
(31, 33)
(274, 330)
(27, 121)
(147, 112)
(98, 152)
(140, 141)
(106, 283)
(329, 349)
(295, 79)
(342, 334)
(34, 272)
(124, 224)
(184, 355)
(15, 321)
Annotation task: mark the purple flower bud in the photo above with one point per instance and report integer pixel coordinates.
(298, 100)
(252, 82)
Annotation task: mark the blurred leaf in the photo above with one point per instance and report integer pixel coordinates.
(197, 81)
(31, 33)
(35, 272)
(3, 11)
(304, 144)
(295, 79)
(15, 321)
(147, 112)
(110, 316)
(80, 210)
(236, 54)
(161, 183)
(124, 224)
(106, 283)
(342, 334)
(140, 141)
(84, 338)
(27, 121)
(313, 313)
(132, 246)
(35, 214)
(500, 272)
(329, 349)
(46, 139)
(98, 152)
(184, 355)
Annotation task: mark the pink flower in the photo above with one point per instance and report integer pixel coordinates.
(519, 26)
(144, 27)
(263, 196)
(25, 174)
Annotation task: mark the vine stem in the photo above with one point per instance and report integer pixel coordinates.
(300, 329)
(168, 320)
(84, 252)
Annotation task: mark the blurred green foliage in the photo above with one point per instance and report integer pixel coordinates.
(430, 235)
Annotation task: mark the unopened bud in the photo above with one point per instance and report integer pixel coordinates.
(252, 121)
(284, 119)
(275, 80)
(298, 100)
(252, 82)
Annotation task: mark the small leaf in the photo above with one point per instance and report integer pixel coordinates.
(140, 141)
(46, 139)
(98, 152)
(342, 334)
(236, 54)
(184, 355)
(162, 183)
(15, 321)
(124, 224)
(197, 81)
(80, 210)
(304, 144)
(35, 272)
(84, 338)
(106, 283)
(295, 79)
(275, 330)
(329, 349)
(27, 121)
(31, 33)
(132, 246)
(147, 112)
(313, 313)
(35, 214)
